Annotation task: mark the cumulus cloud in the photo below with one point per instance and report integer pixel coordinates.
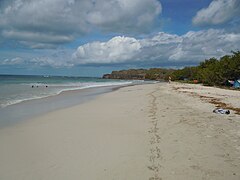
(162, 48)
(108, 52)
(60, 21)
(218, 12)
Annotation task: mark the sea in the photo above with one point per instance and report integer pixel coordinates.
(25, 96)
(18, 88)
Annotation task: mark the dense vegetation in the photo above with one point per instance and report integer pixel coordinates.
(212, 71)
(158, 73)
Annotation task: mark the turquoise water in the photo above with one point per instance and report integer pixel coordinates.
(16, 88)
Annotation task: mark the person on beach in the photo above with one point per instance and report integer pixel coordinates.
(169, 79)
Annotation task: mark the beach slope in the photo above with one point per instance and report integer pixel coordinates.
(154, 131)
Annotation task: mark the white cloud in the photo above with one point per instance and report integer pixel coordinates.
(60, 21)
(163, 48)
(36, 37)
(218, 12)
(124, 15)
(202, 44)
(49, 61)
(56, 58)
(118, 49)
(12, 61)
(39, 57)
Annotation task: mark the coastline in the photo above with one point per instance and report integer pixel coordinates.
(28, 109)
(151, 131)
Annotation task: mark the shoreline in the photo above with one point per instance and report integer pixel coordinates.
(43, 105)
(60, 93)
(151, 131)
(50, 103)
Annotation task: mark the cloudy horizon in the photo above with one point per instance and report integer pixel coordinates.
(89, 38)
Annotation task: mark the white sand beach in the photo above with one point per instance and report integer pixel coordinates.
(154, 131)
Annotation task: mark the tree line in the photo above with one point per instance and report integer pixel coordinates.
(212, 71)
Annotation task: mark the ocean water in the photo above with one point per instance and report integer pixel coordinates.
(17, 88)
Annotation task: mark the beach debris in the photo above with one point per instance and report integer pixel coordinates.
(221, 111)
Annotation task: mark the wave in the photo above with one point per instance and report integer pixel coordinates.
(60, 88)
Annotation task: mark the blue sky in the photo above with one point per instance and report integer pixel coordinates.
(179, 14)
(90, 37)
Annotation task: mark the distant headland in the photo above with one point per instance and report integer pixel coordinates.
(141, 74)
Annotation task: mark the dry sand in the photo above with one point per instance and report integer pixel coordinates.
(157, 131)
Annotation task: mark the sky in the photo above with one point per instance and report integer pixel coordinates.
(93, 37)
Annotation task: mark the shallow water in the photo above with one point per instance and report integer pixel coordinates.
(32, 108)
(16, 89)
(25, 97)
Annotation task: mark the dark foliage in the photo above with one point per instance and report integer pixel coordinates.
(212, 71)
